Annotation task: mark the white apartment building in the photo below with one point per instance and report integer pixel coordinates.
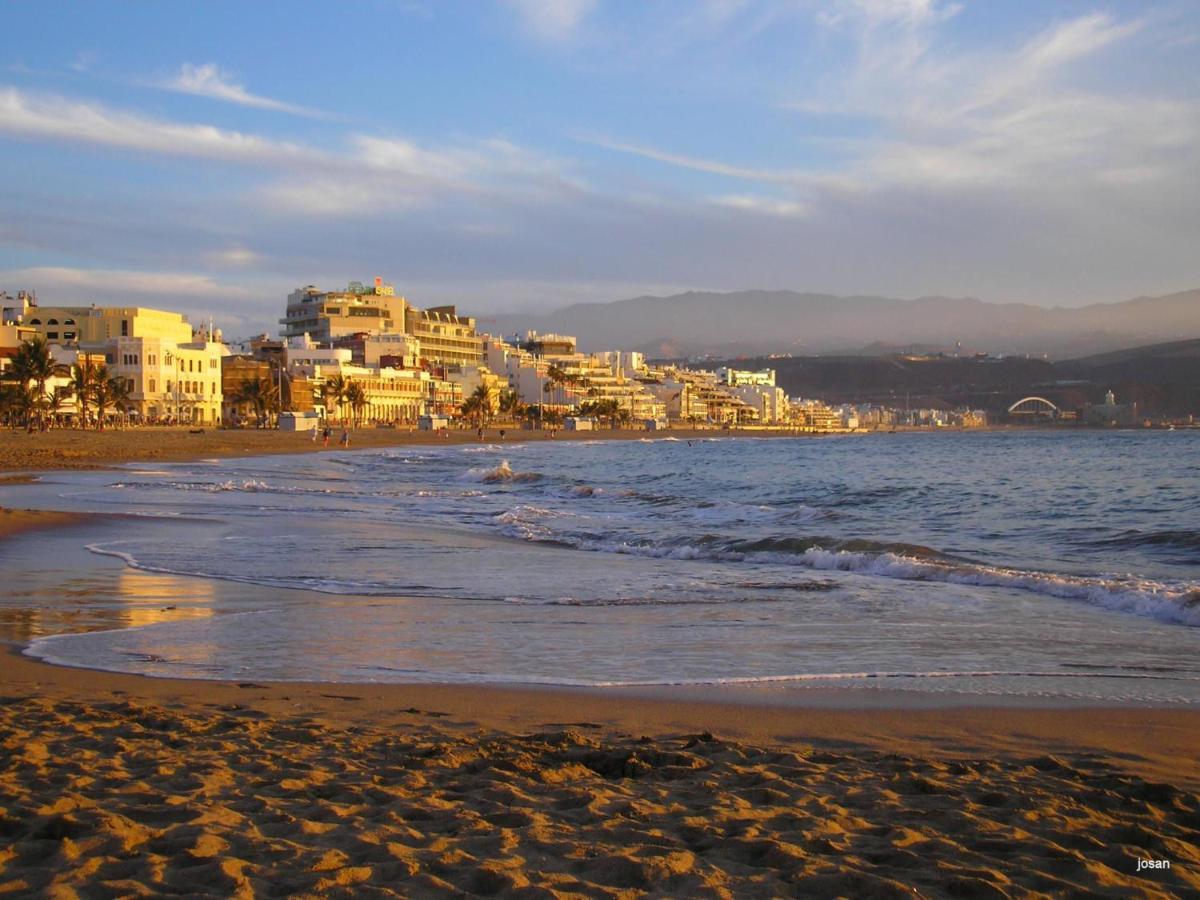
(770, 402)
(180, 382)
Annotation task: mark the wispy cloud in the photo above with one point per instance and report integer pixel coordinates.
(83, 61)
(208, 80)
(770, 206)
(235, 257)
(552, 20)
(77, 284)
(881, 13)
(698, 164)
(368, 170)
(48, 116)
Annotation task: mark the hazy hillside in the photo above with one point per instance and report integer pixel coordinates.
(748, 323)
(1162, 378)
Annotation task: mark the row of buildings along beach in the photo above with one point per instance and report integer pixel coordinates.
(411, 366)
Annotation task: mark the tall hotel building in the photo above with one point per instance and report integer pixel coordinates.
(445, 338)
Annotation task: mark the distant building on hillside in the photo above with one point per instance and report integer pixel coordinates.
(761, 378)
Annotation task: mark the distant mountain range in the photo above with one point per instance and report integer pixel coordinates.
(758, 323)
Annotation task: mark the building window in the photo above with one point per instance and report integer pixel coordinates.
(153, 387)
(124, 328)
(68, 321)
(68, 335)
(52, 335)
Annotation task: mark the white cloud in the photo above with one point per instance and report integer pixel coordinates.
(552, 20)
(44, 116)
(236, 256)
(372, 172)
(76, 285)
(1034, 63)
(209, 81)
(697, 164)
(769, 206)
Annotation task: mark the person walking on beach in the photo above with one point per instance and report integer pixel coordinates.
(326, 433)
(345, 442)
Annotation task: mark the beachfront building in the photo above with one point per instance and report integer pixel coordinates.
(697, 397)
(446, 338)
(14, 309)
(394, 350)
(173, 371)
(11, 339)
(443, 337)
(548, 371)
(93, 325)
(325, 315)
(393, 393)
(770, 402)
(813, 415)
(174, 382)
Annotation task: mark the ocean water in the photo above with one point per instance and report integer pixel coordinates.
(1035, 564)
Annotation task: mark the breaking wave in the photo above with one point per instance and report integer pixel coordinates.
(501, 473)
(1172, 603)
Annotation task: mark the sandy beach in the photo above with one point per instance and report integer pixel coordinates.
(120, 785)
(71, 449)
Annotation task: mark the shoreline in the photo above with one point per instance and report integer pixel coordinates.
(24, 455)
(1156, 741)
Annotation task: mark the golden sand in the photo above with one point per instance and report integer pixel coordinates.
(118, 785)
(70, 449)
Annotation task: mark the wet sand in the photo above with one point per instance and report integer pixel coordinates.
(19, 521)
(116, 784)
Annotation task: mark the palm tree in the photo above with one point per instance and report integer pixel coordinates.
(260, 393)
(356, 398)
(119, 390)
(510, 403)
(105, 389)
(471, 409)
(32, 366)
(483, 397)
(14, 400)
(335, 390)
(321, 396)
(83, 380)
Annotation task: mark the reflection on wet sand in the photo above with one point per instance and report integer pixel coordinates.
(98, 601)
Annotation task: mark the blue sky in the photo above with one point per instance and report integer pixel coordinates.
(526, 154)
